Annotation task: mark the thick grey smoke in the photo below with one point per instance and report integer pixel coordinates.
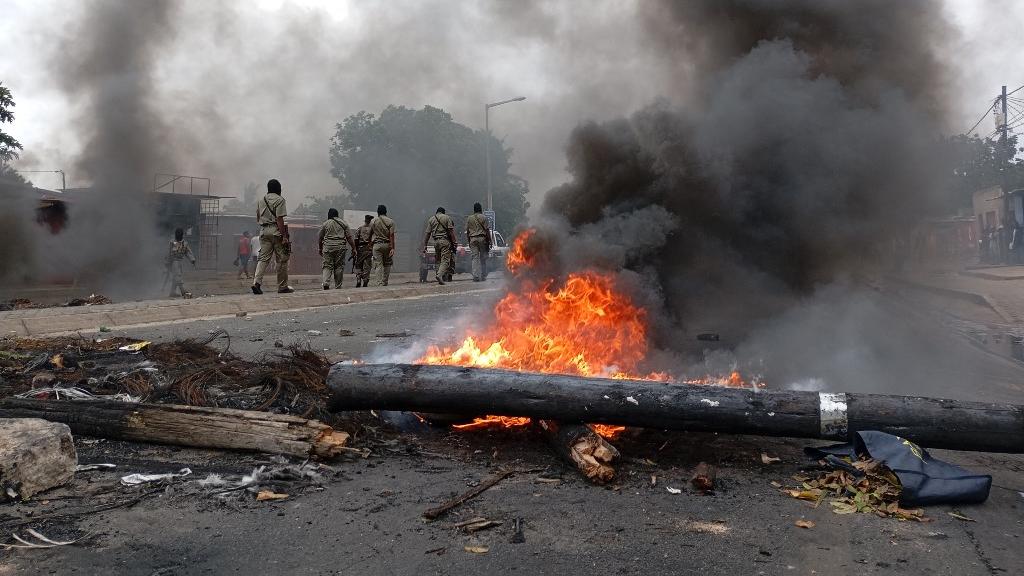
(801, 140)
(105, 65)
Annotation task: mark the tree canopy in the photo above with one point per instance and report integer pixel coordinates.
(980, 163)
(244, 205)
(416, 160)
(8, 145)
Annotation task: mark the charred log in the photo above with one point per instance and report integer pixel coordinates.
(186, 425)
(585, 449)
(931, 422)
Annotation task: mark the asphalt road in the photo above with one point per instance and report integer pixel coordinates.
(367, 520)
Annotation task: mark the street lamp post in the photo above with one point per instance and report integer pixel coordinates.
(63, 180)
(487, 143)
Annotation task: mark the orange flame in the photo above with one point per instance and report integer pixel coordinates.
(582, 326)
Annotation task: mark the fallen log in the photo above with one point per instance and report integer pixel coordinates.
(579, 445)
(930, 422)
(35, 455)
(186, 425)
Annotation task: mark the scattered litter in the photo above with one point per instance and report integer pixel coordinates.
(804, 524)
(314, 332)
(344, 332)
(25, 543)
(88, 467)
(136, 479)
(716, 527)
(402, 334)
(136, 347)
(775, 484)
(956, 514)
(712, 403)
(92, 300)
(766, 459)
(263, 495)
(476, 524)
(73, 393)
(517, 531)
(476, 549)
(633, 400)
(278, 344)
(654, 480)
(241, 314)
(673, 490)
(104, 329)
(915, 478)
(703, 478)
(438, 551)
(437, 512)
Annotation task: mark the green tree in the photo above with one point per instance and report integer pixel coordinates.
(319, 206)
(245, 205)
(8, 145)
(976, 163)
(415, 160)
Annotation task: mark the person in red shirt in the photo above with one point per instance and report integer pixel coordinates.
(244, 251)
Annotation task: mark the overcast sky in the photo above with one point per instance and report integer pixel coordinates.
(255, 88)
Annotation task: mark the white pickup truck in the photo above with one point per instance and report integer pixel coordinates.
(495, 260)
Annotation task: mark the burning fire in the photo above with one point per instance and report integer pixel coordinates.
(581, 326)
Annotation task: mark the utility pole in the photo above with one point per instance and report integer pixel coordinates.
(1003, 129)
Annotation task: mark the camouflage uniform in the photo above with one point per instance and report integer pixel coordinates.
(178, 252)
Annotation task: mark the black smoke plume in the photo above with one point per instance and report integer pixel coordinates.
(802, 140)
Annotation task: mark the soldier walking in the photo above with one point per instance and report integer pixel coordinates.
(274, 240)
(441, 228)
(178, 252)
(334, 240)
(479, 235)
(363, 254)
(382, 236)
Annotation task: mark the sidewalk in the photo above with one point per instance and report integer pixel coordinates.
(1001, 289)
(63, 320)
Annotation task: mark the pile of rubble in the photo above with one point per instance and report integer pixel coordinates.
(26, 304)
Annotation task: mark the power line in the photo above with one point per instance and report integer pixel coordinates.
(986, 113)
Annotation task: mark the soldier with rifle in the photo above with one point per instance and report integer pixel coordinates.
(441, 228)
(274, 239)
(479, 234)
(362, 257)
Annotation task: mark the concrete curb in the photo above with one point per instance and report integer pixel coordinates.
(974, 297)
(988, 276)
(56, 321)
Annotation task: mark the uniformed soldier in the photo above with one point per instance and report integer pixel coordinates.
(364, 253)
(178, 252)
(479, 234)
(441, 228)
(274, 240)
(382, 236)
(334, 240)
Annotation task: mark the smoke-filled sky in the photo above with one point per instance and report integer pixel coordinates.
(250, 90)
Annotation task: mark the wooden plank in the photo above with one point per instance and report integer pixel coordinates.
(186, 425)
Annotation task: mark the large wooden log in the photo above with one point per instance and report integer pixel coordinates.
(35, 455)
(186, 425)
(931, 422)
(579, 445)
